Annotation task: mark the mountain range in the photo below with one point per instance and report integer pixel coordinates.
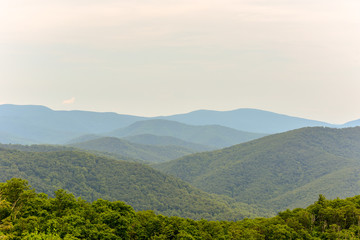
(209, 135)
(204, 164)
(91, 177)
(279, 171)
(29, 124)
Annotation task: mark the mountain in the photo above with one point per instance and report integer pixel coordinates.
(354, 123)
(279, 171)
(84, 138)
(150, 139)
(39, 124)
(57, 148)
(92, 177)
(211, 135)
(149, 153)
(29, 124)
(11, 138)
(246, 119)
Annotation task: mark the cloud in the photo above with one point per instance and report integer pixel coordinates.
(69, 101)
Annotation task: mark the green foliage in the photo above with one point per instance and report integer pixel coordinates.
(150, 139)
(148, 153)
(279, 171)
(92, 177)
(68, 218)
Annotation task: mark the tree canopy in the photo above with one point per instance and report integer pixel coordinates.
(25, 214)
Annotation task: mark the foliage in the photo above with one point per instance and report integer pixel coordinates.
(92, 177)
(70, 218)
(150, 139)
(279, 171)
(149, 153)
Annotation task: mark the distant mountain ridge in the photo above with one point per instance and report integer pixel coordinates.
(246, 119)
(210, 135)
(39, 124)
(32, 124)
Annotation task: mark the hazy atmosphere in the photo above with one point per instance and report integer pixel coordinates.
(157, 57)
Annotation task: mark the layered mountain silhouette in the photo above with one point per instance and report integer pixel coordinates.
(27, 124)
(210, 135)
(250, 120)
(255, 170)
(39, 124)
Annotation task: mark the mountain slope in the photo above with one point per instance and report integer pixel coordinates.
(245, 119)
(57, 148)
(267, 171)
(150, 139)
(149, 153)
(93, 177)
(214, 135)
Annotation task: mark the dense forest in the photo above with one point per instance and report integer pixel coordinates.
(146, 153)
(279, 171)
(25, 214)
(91, 177)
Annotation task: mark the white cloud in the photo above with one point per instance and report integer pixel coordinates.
(69, 101)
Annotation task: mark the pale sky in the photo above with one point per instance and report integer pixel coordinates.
(161, 57)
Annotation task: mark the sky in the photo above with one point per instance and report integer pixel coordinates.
(162, 57)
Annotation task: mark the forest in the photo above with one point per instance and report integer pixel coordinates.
(25, 214)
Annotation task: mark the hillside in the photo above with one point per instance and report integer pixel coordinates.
(278, 171)
(150, 139)
(212, 135)
(92, 177)
(83, 138)
(149, 153)
(57, 148)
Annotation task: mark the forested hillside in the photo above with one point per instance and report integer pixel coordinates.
(147, 153)
(27, 215)
(156, 140)
(279, 171)
(92, 177)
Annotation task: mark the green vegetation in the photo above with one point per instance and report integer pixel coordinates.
(148, 153)
(92, 177)
(150, 139)
(280, 171)
(25, 214)
(57, 148)
(211, 135)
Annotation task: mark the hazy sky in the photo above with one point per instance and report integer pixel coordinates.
(160, 57)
